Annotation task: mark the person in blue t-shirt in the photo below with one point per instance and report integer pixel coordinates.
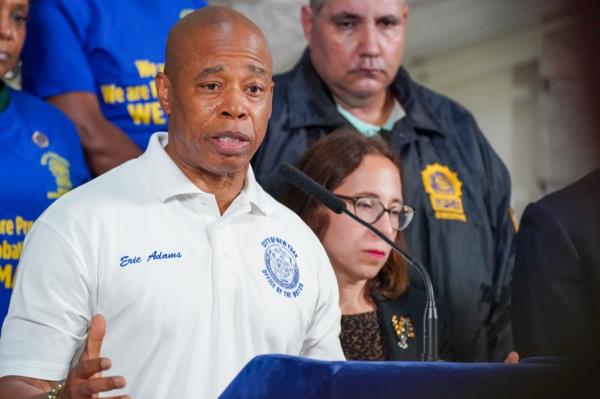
(40, 153)
(96, 60)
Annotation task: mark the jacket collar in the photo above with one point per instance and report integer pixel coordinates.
(311, 104)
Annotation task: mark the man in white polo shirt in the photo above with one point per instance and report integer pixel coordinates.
(194, 268)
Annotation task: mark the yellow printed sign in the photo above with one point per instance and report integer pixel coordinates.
(141, 98)
(444, 189)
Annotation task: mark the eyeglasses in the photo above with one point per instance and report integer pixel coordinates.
(371, 210)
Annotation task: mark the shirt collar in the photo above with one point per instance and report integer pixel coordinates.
(415, 99)
(311, 103)
(368, 129)
(168, 181)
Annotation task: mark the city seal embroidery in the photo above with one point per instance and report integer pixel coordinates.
(445, 194)
(281, 269)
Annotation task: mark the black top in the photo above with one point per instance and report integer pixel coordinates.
(394, 331)
(361, 337)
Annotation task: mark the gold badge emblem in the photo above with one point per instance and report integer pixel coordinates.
(59, 167)
(444, 189)
(404, 330)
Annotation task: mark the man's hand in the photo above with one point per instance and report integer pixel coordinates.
(85, 379)
(512, 358)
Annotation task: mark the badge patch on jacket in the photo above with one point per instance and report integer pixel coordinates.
(444, 189)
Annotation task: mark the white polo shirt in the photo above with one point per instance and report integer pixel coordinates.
(189, 296)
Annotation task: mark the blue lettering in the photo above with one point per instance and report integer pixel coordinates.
(159, 255)
(126, 260)
(153, 255)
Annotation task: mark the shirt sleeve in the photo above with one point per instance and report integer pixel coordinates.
(50, 309)
(322, 340)
(54, 58)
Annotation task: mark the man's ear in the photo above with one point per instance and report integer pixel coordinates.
(306, 18)
(163, 91)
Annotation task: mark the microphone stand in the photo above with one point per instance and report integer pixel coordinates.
(430, 318)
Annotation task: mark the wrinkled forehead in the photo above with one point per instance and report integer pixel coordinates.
(362, 7)
(206, 43)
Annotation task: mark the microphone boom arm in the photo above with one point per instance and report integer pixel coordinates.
(430, 319)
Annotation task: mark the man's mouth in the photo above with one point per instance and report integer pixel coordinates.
(231, 143)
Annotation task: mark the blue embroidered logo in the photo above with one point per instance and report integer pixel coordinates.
(281, 269)
(156, 255)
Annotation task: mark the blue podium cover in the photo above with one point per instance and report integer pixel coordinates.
(279, 376)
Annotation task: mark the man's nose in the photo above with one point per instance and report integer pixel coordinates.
(234, 105)
(6, 29)
(369, 41)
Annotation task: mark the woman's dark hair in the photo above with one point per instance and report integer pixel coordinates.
(328, 161)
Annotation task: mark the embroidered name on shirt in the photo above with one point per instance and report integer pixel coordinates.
(154, 256)
(159, 255)
(445, 194)
(281, 269)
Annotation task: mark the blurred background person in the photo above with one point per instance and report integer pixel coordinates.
(96, 60)
(40, 154)
(556, 283)
(381, 316)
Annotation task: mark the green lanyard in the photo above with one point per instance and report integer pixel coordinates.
(4, 97)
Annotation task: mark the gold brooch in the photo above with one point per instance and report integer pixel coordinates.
(404, 330)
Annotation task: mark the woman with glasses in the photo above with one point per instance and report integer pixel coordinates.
(381, 316)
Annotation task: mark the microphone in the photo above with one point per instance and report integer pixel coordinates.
(337, 205)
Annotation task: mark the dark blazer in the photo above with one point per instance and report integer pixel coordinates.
(411, 305)
(556, 283)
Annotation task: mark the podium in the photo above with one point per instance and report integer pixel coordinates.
(290, 377)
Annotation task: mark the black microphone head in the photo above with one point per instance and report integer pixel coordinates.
(312, 188)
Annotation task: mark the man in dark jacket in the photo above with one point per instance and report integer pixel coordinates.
(462, 232)
(556, 289)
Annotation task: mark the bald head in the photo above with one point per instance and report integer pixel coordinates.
(217, 89)
(206, 24)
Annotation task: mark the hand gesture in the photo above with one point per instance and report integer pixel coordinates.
(85, 379)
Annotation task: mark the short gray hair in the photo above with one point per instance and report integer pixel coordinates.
(317, 5)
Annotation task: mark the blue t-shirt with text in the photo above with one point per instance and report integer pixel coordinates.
(40, 159)
(112, 48)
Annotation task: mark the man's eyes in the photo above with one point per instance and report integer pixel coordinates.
(255, 89)
(388, 22)
(210, 86)
(345, 23)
